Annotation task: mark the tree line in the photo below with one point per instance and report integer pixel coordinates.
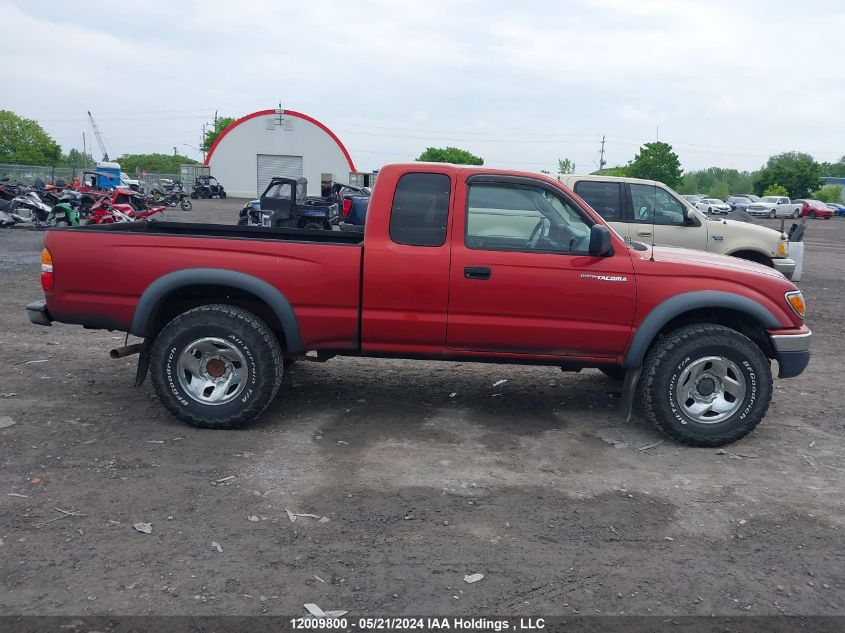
(793, 174)
(25, 142)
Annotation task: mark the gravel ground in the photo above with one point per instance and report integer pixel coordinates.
(535, 483)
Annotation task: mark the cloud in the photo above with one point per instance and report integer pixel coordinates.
(519, 84)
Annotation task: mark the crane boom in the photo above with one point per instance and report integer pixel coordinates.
(98, 135)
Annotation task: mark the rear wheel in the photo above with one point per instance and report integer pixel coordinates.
(222, 194)
(795, 213)
(706, 385)
(186, 204)
(216, 366)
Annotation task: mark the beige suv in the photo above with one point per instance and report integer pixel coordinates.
(646, 211)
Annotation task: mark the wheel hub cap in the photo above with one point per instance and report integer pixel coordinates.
(710, 389)
(212, 371)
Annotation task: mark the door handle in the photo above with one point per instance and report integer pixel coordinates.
(476, 272)
(644, 232)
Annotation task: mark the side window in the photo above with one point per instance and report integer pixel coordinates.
(420, 210)
(654, 204)
(523, 218)
(603, 197)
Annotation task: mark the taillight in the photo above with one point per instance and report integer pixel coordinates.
(47, 280)
(347, 207)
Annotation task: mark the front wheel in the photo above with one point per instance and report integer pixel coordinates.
(186, 204)
(216, 366)
(773, 214)
(222, 195)
(706, 385)
(812, 214)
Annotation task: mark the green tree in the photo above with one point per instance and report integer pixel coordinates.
(159, 163)
(619, 170)
(775, 190)
(829, 193)
(25, 142)
(565, 166)
(211, 135)
(689, 183)
(77, 160)
(836, 169)
(450, 155)
(657, 161)
(798, 172)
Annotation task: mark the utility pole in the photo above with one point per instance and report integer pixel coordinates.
(602, 162)
(202, 142)
(657, 134)
(174, 150)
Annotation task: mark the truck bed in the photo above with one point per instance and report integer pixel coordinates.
(102, 271)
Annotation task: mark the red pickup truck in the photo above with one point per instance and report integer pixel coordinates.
(456, 263)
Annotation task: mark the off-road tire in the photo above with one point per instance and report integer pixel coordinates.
(666, 361)
(240, 327)
(223, 195)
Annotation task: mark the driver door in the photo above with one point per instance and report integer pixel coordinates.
(521, 280)
(658, 213)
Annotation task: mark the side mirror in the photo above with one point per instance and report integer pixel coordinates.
(688, 217)
(599, 240)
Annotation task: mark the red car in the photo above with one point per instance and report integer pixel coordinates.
(456, 263)
(814, 209)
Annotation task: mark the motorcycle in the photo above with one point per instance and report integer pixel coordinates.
(103, 212)
(27, 208)
(176, 196)
(63, 214)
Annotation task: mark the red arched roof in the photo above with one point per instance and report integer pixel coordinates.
(292, 113)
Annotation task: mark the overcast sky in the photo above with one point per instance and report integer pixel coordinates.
(728, 82)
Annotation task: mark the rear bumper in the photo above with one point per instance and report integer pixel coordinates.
(38, 313)
(792, 351)
(784, 265)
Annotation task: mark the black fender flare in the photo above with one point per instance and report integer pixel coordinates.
(151, 299)
(674, 306)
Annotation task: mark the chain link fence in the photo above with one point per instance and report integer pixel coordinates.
(28, 174)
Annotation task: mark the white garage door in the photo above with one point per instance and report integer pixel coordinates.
(270, 165)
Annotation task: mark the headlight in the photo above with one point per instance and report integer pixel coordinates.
(783, 248)
(795, 299)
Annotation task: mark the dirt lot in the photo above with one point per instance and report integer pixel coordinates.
(535, 483)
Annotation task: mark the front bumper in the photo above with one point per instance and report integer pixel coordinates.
(792, 351)
(38, 313)
(784, 265)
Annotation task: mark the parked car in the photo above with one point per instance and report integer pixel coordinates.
(518, 267)
(698, 202)
(750, 196)
(129, 183)
(774, 207)
(814, 209)
(645, 210)
(739, 203)
(838, 209)
(717, 206)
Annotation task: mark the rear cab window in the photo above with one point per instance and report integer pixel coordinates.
(420, 211)
(604, 197)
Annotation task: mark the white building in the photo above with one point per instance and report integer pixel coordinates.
(270, 143)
